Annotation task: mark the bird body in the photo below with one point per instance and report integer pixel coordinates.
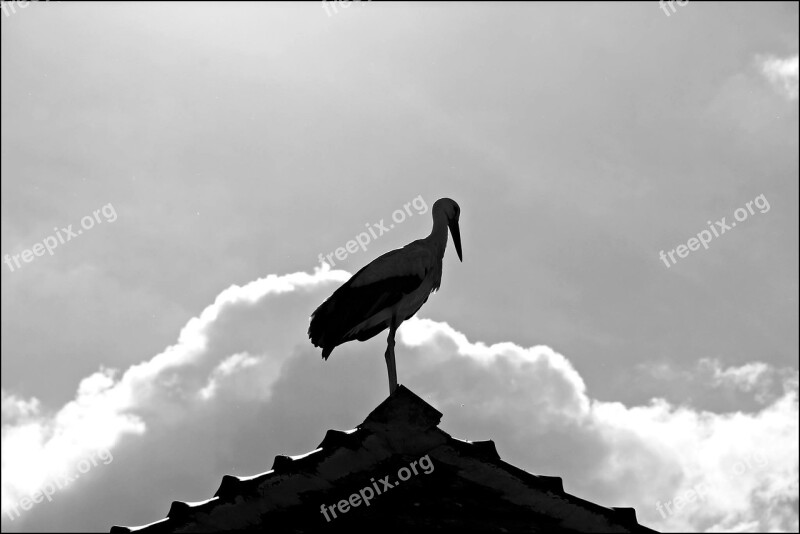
(387, 291)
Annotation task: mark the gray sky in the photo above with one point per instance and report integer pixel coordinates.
(217, 144)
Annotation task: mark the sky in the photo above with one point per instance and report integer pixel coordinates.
(625, 316)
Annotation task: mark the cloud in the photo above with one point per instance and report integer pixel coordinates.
(38, 448)
(641, 456)
(747, 377)
(16, 409)
(759, 381)
(243, 380)
(228, 367)
(782, 73)
(758, 378)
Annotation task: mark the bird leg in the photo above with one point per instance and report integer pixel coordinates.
(390, 364)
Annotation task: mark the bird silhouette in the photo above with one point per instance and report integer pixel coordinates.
(387, 291)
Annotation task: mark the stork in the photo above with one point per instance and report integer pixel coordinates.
(387, 291)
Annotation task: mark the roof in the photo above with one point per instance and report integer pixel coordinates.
(436, 483)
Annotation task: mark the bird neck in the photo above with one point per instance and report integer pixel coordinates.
(438, 236)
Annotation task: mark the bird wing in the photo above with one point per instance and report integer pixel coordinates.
(413, 260)
(379, 285)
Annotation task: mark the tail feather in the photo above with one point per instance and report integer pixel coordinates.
(322, 329)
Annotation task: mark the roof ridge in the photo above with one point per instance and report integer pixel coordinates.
(400, 429)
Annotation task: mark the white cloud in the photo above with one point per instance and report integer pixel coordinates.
(782, 73)
(15, 408)
(228, 367)
(40, 449)
(758, 378)
(741, 462)
(244, 362)
(747, 377)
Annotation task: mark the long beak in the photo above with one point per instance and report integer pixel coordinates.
(456, 233)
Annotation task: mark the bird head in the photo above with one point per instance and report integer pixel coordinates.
(449, 209)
